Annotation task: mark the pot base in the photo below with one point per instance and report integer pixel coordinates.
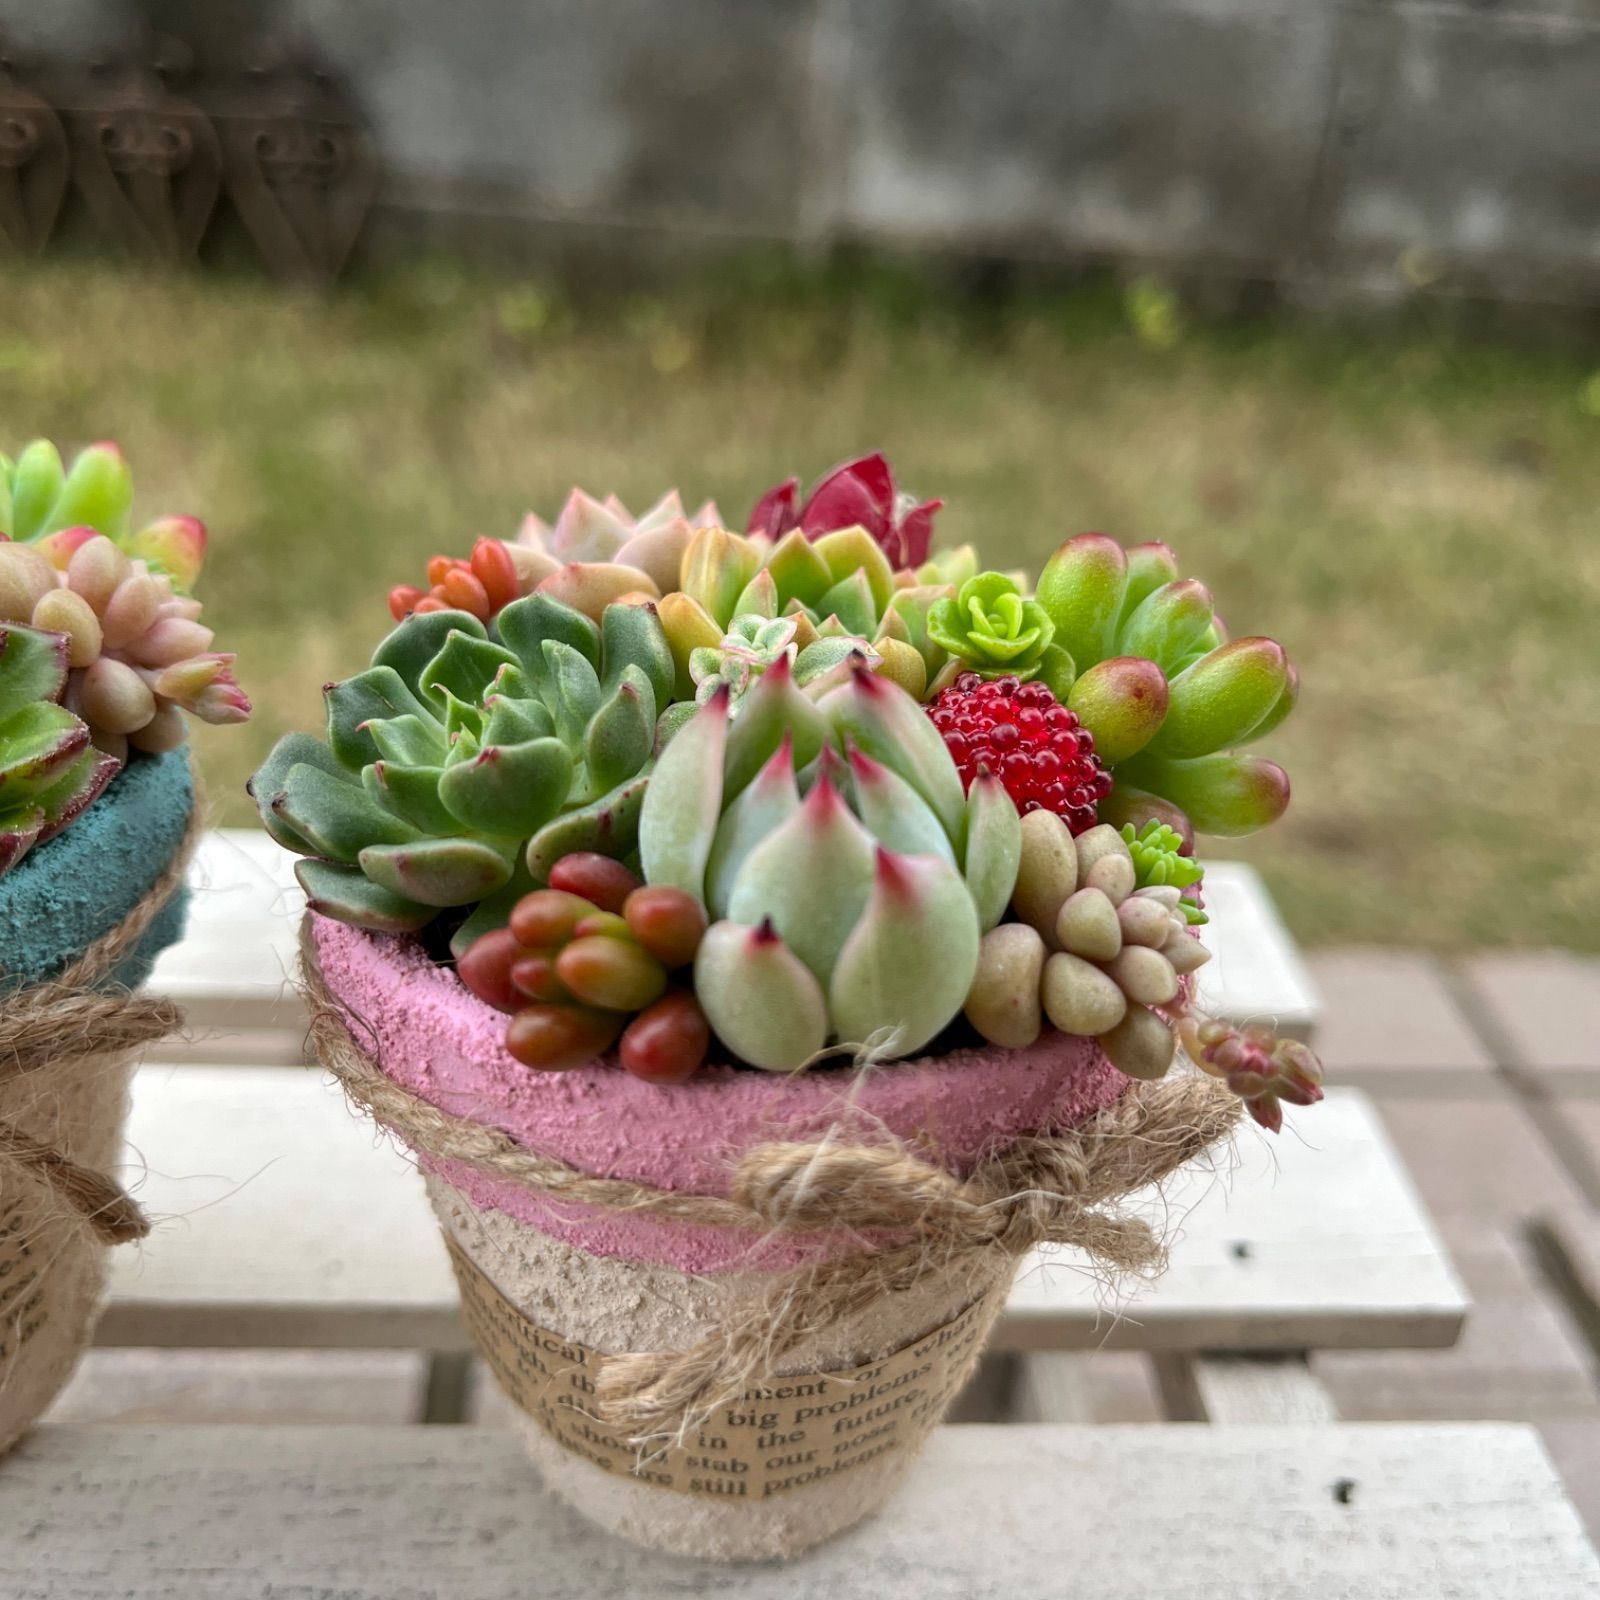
(614, 1306)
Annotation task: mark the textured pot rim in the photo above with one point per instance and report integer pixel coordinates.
(428, 1033)
(85, 880)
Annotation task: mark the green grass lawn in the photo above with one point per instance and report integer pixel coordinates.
(1416, 517)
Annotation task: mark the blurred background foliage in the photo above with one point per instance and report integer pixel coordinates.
(1414, 511)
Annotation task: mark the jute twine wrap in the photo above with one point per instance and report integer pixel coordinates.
(969, 1232)
(70, 1017)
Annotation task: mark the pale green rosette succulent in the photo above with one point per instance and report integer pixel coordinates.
(458, 770)
(992, 628)
(847, 875)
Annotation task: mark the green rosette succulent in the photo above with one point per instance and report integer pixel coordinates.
(840, 585)
(458, 769)
(754, 644)
(1167, 696)
(847, 875)
(990, 627)
(1160, 861)
(49, 770)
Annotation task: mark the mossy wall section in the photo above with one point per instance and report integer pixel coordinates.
(67, 892)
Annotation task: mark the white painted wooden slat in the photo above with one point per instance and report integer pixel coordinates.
(1234, 1390)
(232, 969)
(285, 1220)
(1383, 1512)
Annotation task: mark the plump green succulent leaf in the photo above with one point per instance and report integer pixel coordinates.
(917, 903)
(632, 636)
(1149, 567)
(266, 784)
(1167, 624)
(72, 789)
(411, 740)
(798, 571)
(572, 690)
(716, 567)
(892, 728)
(809, 876)
(514, 721)
(759, 997)
(347, 895)
(438, 872)
(36, 483)
(335, 815)
(1227, 795)
(685, 799)
(672, 721)
(525, 624)
(1286, 703)
(410, 647)
(772, 708)
(1223, 698)
(1122, 702)
(1081, 590)
(1057, 671)
(36, 743)
(97, 493)
(758, 598)
(33, 666)
(465, 667)
(994, 849)
(851, 601)
(853, 550)
(893, 812)
(378, 694)
(509, 791)
(411, 793)
(824, 656)
(609, 826)
(769, 799)
(622, 733)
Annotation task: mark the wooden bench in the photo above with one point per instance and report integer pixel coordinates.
(286, 1221)
(1358, 1512)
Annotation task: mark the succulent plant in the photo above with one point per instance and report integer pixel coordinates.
(1092, 952)
(1161, 858)
(611, 554)
(1166, 696)
(858, 494)
(458, 769)
(991, 628)
(49, 770)
(56, 510)
(1262, 1069)
(829, 840)
(840, 585)
(586, 964)
(139, 655)
(754, 643)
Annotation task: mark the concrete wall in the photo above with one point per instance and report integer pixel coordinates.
(1315, 141)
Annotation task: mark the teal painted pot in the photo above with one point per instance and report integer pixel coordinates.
(54, 904)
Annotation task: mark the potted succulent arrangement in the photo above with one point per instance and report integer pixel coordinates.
(101, 654)
(763, 940)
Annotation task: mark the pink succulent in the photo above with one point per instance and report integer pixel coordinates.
(858, 493)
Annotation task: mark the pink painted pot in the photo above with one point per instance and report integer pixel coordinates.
(624, 1282)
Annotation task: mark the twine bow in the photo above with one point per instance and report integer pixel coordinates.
(69, 1017)
(968, 1232)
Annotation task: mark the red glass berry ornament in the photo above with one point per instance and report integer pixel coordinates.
(1036, 747)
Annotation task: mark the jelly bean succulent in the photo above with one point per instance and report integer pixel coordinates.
(1165, 694)
(588, 963)
(458, 769)
(828, 839)
(49, 771)
(594, 553)
(839, 585)
(858, 494)
(138, 653)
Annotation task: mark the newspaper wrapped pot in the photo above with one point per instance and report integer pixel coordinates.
(82, 917)
(731, 1310)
